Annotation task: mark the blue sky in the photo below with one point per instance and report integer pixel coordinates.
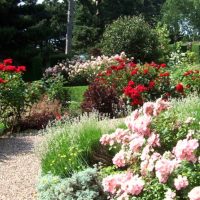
(40, 1)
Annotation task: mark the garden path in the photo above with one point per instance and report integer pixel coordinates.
(19, 167)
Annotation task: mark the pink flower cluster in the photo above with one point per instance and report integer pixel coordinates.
(120, 159)
(184, 149)
(164, 167)
(170, 195)
(120, 136)
(181, 182)
(139, 123)
(148, 163)
(194, 194)
(123, 185)
(138, 144)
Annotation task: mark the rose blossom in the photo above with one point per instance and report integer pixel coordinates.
(184, 149)
(148, 108)
(169, 195)
(181, 182)
(164, 168)
(136, 143)
(120, 159)
(154, 140)
(194, 194)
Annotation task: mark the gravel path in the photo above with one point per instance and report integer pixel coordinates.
(19, 167)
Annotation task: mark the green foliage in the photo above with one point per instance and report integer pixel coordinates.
(70, 145)
(83, 185)
(75, 99)
(55, 89)
(132, 35)
(182, 18)
(2, 128)
(164, 41)
(152, 190)
(13, 102)
(196, 50)
(171, 124)
(31, 33)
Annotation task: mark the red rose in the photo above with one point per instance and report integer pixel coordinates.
(163, 65)
(108, 72)
(21, 69)
(164, 74)
(113, 67)
(151, 84)
(10, 68)
(134, 71)
(136, 102)
(132, 64)
(140, 88)
(2, 66)
(2, 80)
(145, 71)
(179, 88)
(8, 61)
(131, 83)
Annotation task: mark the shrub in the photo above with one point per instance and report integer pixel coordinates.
(72, 145)
(101, 98)
(40, 114)
(132, 35)
(13, 93)
(147, 166)
(136, 83)
(83, 185)
(55, 90)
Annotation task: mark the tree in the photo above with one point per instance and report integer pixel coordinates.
(182, 17)
(70, 18)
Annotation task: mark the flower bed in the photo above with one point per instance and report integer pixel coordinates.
(156, 156)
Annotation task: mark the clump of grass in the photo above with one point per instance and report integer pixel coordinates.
(70, 144)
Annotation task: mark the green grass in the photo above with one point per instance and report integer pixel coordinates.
(69, 146)
(76, 97)
(76, 92)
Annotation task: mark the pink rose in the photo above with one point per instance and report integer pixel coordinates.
(181, 182)
(194, 194)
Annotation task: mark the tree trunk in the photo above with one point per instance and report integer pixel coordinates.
(70, 18)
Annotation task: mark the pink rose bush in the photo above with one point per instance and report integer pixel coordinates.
(123, 185)
(141, 157)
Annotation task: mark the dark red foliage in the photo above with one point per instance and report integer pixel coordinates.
(101, 98)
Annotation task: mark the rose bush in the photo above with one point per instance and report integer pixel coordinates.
(13, 92)
(144, 168)
(137, 83)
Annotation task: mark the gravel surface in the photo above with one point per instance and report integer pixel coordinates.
(19, 167)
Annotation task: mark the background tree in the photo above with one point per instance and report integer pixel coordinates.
(182, 18)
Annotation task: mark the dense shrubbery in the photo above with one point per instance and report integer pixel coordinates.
(133, 35)
(83, 185)
(158, 155)
(133, 84)
(161, 165)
